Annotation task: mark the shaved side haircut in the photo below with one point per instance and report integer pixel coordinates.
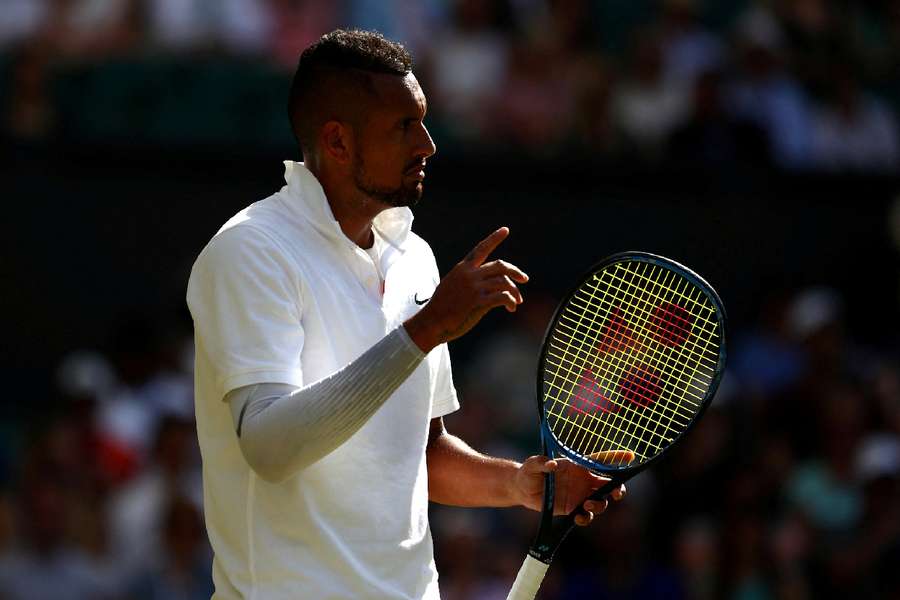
(332, 81)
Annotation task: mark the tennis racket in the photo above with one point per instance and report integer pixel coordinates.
(630, 360)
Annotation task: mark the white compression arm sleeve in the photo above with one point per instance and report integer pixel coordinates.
(282, 428)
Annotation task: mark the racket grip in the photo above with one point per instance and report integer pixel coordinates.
(529, 579)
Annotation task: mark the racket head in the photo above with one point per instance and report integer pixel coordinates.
(639, 368)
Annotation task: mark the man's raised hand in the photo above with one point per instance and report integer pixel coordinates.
(466, 294)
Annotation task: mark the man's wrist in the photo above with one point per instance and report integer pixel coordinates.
(411, 345)
(514, 485)
(421, 333)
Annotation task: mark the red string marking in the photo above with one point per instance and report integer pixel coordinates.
(615, 335)
(670, 324)
(588, 398)
(640, 385)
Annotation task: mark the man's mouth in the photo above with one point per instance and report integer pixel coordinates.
(417, 171)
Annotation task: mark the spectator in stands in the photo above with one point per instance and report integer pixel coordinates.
(46, 565)
(150, 386)
(297, 24)
(180, 569)
(236, 26)
(411, 23)
(766, 94)
(646, 107)
(855, 131)
(767, 358)
(813, 39)
(467, 64)
(689, 50)
(711, 136)
(91, 29)
(870, 563)
(137, 510)
(537, 104)
(824, 487)
(594, 131)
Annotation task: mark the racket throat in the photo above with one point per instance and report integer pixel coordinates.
(552, 531)
(544, 547)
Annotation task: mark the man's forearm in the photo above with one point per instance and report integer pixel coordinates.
(281, 433)
(460, 476)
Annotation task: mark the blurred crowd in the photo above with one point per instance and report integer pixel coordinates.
(795, 84)
(102, 493)
(788, 489)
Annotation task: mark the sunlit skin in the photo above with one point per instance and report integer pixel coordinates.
(372, 160)
(378, 163)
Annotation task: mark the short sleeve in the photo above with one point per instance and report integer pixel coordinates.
(444, 398)
(245, 298)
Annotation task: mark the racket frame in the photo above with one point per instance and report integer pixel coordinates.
(550, 536)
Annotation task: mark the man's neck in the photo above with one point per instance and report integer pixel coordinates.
(353, 211)
(356, 224)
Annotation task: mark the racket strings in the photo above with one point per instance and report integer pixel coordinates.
(625, 430)
(653, 359)
(638, 304)
(623, 363)
(637, 385)
(640, 384)
(607, 406)
(658, 361)
(711, 325)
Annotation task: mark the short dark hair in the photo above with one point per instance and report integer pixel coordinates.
(338, 62)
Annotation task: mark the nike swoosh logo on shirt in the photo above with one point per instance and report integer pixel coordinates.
(420, 302)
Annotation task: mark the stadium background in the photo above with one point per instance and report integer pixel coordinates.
(755, 141)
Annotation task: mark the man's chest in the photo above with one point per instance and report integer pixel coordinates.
(348, 305)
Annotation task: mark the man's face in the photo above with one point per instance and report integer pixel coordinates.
(392, 143)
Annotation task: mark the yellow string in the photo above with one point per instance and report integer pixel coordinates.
(607, 368)
(655, 413)
(636, 354)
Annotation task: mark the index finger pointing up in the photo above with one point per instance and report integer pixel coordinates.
(484, 248)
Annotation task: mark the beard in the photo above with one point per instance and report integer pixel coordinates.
(402, 195)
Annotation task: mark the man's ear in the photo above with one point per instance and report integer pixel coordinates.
(337, 141)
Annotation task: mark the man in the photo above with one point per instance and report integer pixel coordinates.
(322, 370)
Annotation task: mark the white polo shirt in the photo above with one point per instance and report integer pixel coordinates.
(281, 295)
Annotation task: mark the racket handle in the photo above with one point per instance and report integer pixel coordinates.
(529, 579)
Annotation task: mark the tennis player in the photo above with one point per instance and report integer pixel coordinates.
(322, 370)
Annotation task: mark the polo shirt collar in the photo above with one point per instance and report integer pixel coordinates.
(392, 224)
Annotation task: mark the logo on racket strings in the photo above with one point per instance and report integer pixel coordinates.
(638, 385)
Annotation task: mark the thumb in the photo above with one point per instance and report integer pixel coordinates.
(613, 457)
(541, 464)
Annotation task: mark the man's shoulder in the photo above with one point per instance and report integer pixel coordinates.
(269, 215)
(268, 222)
(263, 229)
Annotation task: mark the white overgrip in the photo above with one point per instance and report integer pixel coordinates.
(528, 580)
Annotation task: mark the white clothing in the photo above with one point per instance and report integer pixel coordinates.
(284, 429)
(280, 295)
